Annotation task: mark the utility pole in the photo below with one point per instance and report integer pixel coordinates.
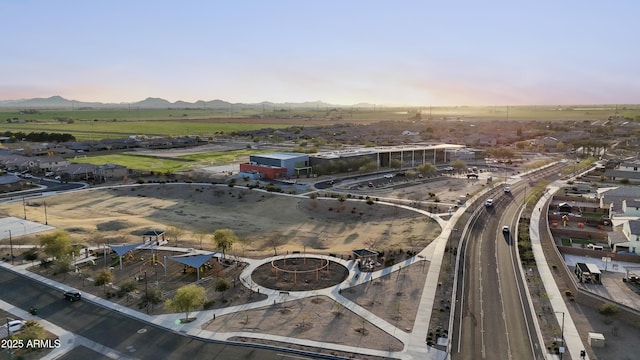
(11, 248)
(146, 292)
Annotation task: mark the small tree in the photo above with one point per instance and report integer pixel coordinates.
(221, 286)
(200, 235)
(427, 169)
(56, 244)
(152, 295)
(103, 278)
(62, 265)
(459, 165)
(32, 330)
(224, 239)
(174, 232)
(274, 242)
(187, 298)
(127, 287)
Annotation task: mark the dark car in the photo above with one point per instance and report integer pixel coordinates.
(72, 295)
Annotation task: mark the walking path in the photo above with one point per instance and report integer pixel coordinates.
(572, 338)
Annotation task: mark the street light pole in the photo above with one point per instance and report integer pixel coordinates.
(146, 292)
(10, 245)
(8, 337)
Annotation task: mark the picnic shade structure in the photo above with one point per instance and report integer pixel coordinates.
(195, 261)
(123, 249)
(156, 236)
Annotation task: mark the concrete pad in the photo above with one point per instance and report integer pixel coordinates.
(18, 227)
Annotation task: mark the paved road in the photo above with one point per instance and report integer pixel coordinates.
(491, 320)
(128, 336)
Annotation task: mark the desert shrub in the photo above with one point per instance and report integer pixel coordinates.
(608, 309)
(31, 254)
(127, 287)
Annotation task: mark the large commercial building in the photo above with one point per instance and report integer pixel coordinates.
(275, 165)
(282, 165)
(406, 155)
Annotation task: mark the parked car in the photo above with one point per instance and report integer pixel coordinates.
(72, 295)
(15, 325)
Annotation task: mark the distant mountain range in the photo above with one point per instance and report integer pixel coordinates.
(58, 102)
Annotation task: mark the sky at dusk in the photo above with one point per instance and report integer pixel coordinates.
(341, 52)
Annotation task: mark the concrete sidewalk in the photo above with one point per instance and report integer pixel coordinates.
(572, 338)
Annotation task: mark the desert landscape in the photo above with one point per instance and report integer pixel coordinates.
(265, 223)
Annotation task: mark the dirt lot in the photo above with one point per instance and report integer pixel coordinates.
(394, 297)
(266, 223)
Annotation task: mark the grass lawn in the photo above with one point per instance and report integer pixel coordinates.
(175, 164)
(90, 130)
(568, 241)
(138, 162)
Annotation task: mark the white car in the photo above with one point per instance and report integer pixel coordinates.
(388, 176)
(15, 325)
(488, 203)
(507, 189)
(505, 229)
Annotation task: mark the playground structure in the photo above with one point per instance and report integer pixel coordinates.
(294, 269)
(299, 273)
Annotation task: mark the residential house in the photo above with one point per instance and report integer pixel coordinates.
(622, 201)
(628, 169)
(48, 163)
(550, 142)
(15, 162)
(76, 172)
(631, 230)
(111, 172)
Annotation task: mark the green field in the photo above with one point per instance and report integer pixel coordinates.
(122, 114)
(90, 130)
(170, 165)
(95, 124)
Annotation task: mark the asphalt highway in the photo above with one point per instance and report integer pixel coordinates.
(493, 318)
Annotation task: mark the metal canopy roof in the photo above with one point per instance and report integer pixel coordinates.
(123, 249)
(193, 260)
